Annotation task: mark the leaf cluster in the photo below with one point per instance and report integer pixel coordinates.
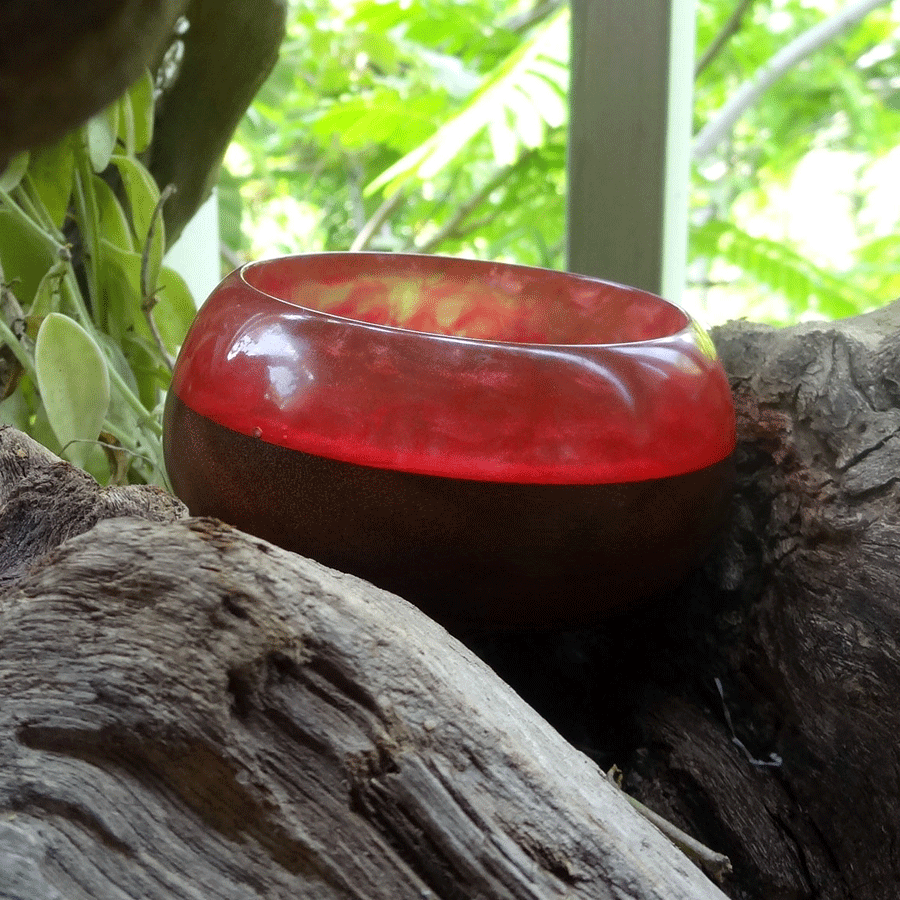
(841, 102)
(90, 316)
(417, 126)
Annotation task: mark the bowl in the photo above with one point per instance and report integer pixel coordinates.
(504, 446)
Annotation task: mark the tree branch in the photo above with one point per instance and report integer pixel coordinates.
(450, 229)
(729, 29)
(230, 48)
(179, 697)
(538, 13)
(365, 235)
(717, 129)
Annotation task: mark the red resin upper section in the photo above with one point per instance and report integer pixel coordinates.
(458, 368)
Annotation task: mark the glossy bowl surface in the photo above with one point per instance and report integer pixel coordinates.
(505, 446)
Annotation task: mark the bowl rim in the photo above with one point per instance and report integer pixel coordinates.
(690, 328)
(688, 353)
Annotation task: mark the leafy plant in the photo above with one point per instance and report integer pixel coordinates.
(515, 105)
(836, 103)
(805, 287)
(440, 126)
(461, 106)
(90, 317)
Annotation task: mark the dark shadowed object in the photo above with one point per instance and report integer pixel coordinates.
(61, 62)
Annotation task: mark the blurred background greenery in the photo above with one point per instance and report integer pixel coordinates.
(440, 126)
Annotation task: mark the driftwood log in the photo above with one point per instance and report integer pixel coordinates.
(186, 711)
(759, 707)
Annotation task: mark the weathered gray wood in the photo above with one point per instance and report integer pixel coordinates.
(189, 712)
(796, 615)
(808, 601)
(181, 698)
(43, 501)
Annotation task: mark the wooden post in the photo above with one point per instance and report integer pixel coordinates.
(629, 141)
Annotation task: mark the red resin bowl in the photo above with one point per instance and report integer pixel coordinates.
(506, 447)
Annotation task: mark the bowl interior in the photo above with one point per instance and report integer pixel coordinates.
(468, 299)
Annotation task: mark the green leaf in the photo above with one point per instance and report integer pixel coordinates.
(153, 253)
(547, 96)
(52, 176)
(24, 257)
(511, 117)
(15, 411)
(121, 284)
(73, 382)
(142, 193)
(504, 145)
(173, 313)
(47, 296)
(120, 415)
(14, 171)
(87, 219)
(144, 201)
(114, 225)
(384, 118)
(772, 263)
(528, 118)
(126, 124)
(141, 98)
(101, 132)
(150, 372)
(175, 309)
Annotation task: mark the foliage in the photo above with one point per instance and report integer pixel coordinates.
(427, 125)
(90, 316)
(838, 111)
(435, 125)
(473, 90)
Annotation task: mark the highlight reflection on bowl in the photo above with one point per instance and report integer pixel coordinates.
(507, 447)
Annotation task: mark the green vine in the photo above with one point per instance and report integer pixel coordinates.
(90, 318)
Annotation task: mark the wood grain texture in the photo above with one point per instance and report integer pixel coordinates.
(43, 501)
(816, 557)
(190, 712)
(794, 769)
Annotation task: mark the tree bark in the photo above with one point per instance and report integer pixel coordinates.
(229, 50)
(190, 712)
(757, 707)
(62, 62)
